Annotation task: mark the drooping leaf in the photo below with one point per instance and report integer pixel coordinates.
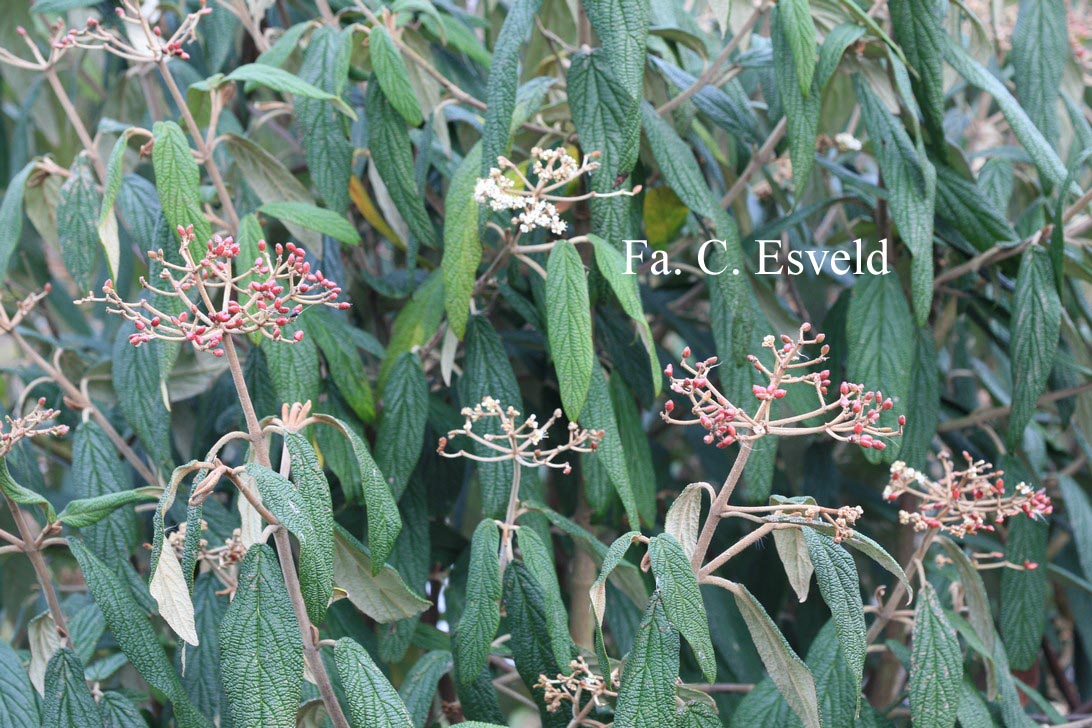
(317, 580)
(481, 615)
(936, 665)
(17, 700)
(77, 211)
(796, 85)
(379, 591)
(538, 559)
(1036, 323)
(610, 455)
(799, 30)
(261, 651)
(67, 700)
(923, 406)
(462, 244)
(23, 495)
(309, 216)
(286, 83)
(1024, 593)
(792, 549)
(178, 181)
(372, 700)
(1040, 49)
(402, 427)
(11, 215)
(334, 337)
(918, 29)
(393, 76)
(321, 128)
(568, 324)
(419, 688)
(646, 696)
(681, 599)
(136, 377)
(530, 643)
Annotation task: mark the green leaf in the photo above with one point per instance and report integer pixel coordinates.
(135, 374)
(538, 559)
(379, 592)
(646, 696)
(1079, 510)
(326, 146)
(681, 599)
(1036, 324)
(787, 670)
(622, 28)
(599, 415)
(678, 165)
(936, 665)
(504, 72)
(487, 371)
(261, 651)
(402, 427)
(635, 444)
(881, 339)
(293, 366)
(799, 30)
(462, 243)
(840, 586)
(77, 211)
(392, 153)
(133, 631)
(612, 264)
(568, 324)
(11, 215)
(22, 495)
(107, 220)
(393, 76)
(18, 703)
(1038, 148)
(373, 701)
(67, 700)
(977, 602)
(918, 30)
(1040, 50)
(799, 94)
(202, 678)
(317, 580)
(481, 615)
(178, 183)
(119, 711)
(284, 82)
(334, 336)
(971, 211)
(730, 111)
(911, 179)
(792, 549)
(923, 408)
(309, 216)
(384, 521)
(530, 642)
(1024, 593)
(419, 687)
(83, 512)
(303, 511)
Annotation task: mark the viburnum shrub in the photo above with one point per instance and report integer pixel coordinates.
(413, 364)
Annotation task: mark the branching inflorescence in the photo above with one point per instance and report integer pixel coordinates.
(963, 502)
(852, 415)
(262, 299)
(32, 424)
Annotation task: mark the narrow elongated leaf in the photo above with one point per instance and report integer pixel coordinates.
(373, 701)
(838, 583)
(135, 374)
(178, 181)
(11, 215)
(677, 162)
(481, 615)
(83, 512)
(683, 516)
(792, 548)
(1036, 323)
(799, 30)
(392, 153)
(1024, 593)
(419, 688)
(402, 428)
(22, 495)
(302, 511)
(500, 94)
(286, 83)
(530, 643)
(294, 367)
(107, 220)
(918, 29)
(321, 128)
(17, 701)
(393, 77)
(924, 406)
(799, 93)
(568, 324)
(119, 711)
(970, 209)
(334, 336)
(610, 455)
(881, 337)
(681, 599)
(1040, 49)
(134, 633)
(538, 559)
(325, 221)
(379, 591)
(261, 651)
(67, 700)
(728, 111)
(77, 211)
(202, 678)
(622, 27)
(462, 244)
(787, 670)
(646, 696)
(317, 581)
(1079, 509)
(99, 471)
(936, 665)
(384, 521)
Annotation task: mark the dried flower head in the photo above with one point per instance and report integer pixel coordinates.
(31, 424)
(521, 442)
(963, 501)
(535, 204)
(22, 308)
(852, 414)
(579, 684)
(217, 301)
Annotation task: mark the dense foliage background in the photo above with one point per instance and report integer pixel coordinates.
(959, 131)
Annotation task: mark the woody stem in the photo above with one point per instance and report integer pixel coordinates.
(33, 549)
(883, 616)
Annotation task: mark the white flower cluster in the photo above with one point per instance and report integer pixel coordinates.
(556, 165)
(847, 142)
(496, 191)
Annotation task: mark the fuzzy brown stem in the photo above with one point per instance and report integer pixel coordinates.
(33, 550)
(717, 508)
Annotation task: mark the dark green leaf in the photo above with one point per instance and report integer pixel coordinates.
(419, 688)
(1040, 49)
(681, 599)
(67, 702)
(1024, 593)
(393, 76)
(1036, 322)
(316, 580)
(372, 700)
(321, 129)
(77, 213)
(17, 700)
(286, 83)
(936, 665)
(481, 615)
(647, 693)
(568, 323)
(178, 182)
(530, 643)
(402, 427)
(309, 216)
(462, 244)
(11, 215)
